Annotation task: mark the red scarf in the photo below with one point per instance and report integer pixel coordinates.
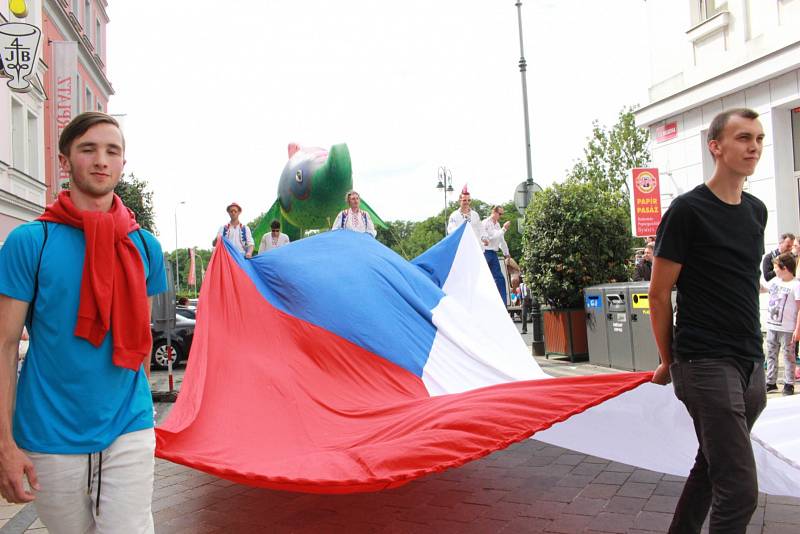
(113, 287)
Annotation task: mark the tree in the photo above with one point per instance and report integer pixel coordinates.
(203, 257)
(136, 196)
(611, 154)
(577, 235)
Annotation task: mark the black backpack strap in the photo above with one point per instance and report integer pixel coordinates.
(29, 319)
(144, 244)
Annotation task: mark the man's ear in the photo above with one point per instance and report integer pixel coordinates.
(64, 162)
(713, 146)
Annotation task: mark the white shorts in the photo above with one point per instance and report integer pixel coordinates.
(68, 500)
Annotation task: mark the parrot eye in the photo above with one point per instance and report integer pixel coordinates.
(298, 176)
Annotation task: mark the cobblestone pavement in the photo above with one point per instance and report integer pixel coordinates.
(528, 487)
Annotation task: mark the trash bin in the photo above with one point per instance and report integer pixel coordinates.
(618, 326)
(596, 334)
(645, 350)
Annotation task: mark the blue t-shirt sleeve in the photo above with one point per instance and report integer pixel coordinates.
(157, 277)
(19, 256)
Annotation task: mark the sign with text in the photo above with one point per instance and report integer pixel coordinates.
(645, 202)
(66, 94)
(19, 43)
(666, 132)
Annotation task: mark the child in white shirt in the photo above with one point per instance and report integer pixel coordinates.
(783, 323)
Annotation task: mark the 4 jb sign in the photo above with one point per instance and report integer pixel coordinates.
(19, 43)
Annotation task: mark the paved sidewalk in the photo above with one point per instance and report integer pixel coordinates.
(528, 487)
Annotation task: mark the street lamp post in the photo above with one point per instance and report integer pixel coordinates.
(536, 310)
(446, 185)
(177, 271)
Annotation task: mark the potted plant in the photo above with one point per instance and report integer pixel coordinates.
(576, 235)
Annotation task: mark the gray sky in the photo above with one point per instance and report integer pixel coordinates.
(213, 92)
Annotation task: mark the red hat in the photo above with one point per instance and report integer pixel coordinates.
(464, 190)
(232, 204)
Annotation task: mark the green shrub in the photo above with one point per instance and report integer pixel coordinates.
(576, 235)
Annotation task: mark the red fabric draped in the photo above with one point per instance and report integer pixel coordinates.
(113, 287)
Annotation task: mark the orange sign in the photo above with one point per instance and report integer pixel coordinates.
(645, 202)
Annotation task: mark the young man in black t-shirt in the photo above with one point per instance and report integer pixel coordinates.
(709, 244)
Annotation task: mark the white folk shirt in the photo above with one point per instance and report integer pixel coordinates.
(355, 221)
(457, 219)
(234, 235)
(495, 234)
(269, 243)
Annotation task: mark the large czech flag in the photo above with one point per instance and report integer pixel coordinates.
(333, 365)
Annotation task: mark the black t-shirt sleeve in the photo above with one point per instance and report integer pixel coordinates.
(674, 233)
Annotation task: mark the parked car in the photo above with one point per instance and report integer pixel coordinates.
(181, 336)
(190, 312)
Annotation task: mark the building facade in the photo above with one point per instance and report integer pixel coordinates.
(712, 55)
(22, 116)
(71, 79)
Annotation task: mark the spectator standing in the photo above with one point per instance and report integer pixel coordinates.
(274, 239)
(783, 323)
(645, 267)
(784, 245)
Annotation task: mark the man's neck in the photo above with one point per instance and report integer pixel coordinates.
(234, 223)
(87, 203)
(726, 186)
(466, 210)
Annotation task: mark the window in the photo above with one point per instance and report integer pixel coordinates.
(33, 145)
(796, 137)
(77, 90)
(99, 106)
(87, 17)
(24, 139)
(88, 106)
(76, 6)
(98, 38)
(705, 9)
(18, 137)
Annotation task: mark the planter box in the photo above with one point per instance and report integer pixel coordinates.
(565, 333)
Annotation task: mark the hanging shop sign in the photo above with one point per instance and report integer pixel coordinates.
(19, 43)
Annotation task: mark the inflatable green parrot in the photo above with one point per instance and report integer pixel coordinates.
(311, 192)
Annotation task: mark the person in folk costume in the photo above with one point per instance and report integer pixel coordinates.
(465, 214)
(274, 239)
(354, 218)
(237, 233)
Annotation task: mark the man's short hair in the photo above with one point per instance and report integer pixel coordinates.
(787, 261)
(650, 245)
(719, 122)
(275, 225)
(349, 194)
(80, 125)
(787, 235)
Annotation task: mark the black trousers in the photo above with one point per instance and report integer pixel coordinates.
(724, 404)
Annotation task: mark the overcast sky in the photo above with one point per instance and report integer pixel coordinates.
(213, 92)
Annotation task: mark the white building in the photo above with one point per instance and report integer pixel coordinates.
(712, 55)
(22, 165)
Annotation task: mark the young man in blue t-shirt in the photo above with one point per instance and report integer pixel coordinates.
(80, 277)
(709, 244)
